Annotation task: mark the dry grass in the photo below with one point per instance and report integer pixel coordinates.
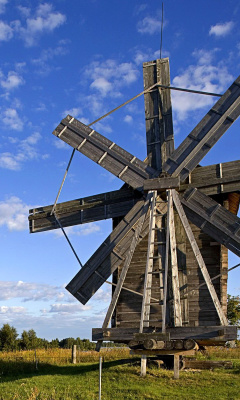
(64, 356)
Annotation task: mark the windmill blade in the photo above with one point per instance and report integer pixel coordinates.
(108, 256)
(212, 218)
(104, 152)
(209, 130)
(87, 209)
(215, 179)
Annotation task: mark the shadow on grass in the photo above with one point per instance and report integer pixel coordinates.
(14, 370)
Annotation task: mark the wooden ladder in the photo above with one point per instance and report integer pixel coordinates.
(160, 243)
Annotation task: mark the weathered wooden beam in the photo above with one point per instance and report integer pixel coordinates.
(104, 152)
(87, 209)
(203, 137)
(174, 264)
(199, 258)
(158, 113)
(212, 218)
(215, 179)
(161, 184)
(217, 334)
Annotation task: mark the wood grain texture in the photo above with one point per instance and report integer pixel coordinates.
(158, 113)
(104, 152)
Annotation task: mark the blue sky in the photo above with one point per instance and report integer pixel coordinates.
(85, 58)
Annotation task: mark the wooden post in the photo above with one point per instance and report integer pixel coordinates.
(158, 113)
(74, 354)
(143, 365)
(174, 265)
(176, 366)
(100, 378)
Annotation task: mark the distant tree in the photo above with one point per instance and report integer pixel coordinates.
(54, 344)
(67, 343)
(24, 341)
(233, 310)
(8, 336)
(29, 340)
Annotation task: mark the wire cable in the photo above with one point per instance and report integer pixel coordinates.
(161, 34)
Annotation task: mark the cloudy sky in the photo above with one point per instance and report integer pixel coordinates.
(85, 58)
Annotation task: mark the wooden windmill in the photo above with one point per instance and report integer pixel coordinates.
(173, 221)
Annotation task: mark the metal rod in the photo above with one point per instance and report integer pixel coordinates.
(70, 244)
(69, 163)
(189, 90)
(161, 34)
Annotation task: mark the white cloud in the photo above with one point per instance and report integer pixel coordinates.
(220, 30)
(128, 119)
(11, 118)
(30, 291)
(6, 32)
(12, 81)
(108, 77)
(45, 20)
(74, 112)
(44, 67)
(102, 84)
(149, 25)
(59, 144)
(80, 230)
(12, 310)
(2, 6)
(14, 214)
(148, 55)
(68, 308)
(204, 77)
(25, 11)
(25, 151)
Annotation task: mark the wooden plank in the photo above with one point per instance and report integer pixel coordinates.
(211, 182)
(116, 160)
(216, 333)
(83, 210)
(174, 264)
(199, 258)
(217, 222)
(158, 113)
(161, 184)
(197, 144)
(176, 366)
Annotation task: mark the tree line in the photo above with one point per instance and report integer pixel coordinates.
(9, 341)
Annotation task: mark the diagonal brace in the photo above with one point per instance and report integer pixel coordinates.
(199, 258)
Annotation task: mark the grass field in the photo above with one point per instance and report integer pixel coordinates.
(57, 379)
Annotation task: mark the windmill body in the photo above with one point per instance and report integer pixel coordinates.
(173, 223)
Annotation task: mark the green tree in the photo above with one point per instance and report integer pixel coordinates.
(233, 309)
(24, 342)
(8, 336)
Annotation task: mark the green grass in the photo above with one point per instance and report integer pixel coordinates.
(21, 381)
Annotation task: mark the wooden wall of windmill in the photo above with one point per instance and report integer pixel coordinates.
(200, 303)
